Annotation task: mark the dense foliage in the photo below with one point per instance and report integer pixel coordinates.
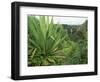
(55, 44)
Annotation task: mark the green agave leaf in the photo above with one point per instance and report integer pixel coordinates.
(60, 57)
(34, 43)
(45, 62)
(57, 43)
(51, 60)
(33, 53)
(30, 51)
(37, 33)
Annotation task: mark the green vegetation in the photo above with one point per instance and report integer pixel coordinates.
(55, 44)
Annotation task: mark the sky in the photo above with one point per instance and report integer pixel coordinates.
(68, 20)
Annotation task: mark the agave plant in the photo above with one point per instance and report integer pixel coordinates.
(45, 41)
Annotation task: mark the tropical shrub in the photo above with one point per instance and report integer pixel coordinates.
(44, 41)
